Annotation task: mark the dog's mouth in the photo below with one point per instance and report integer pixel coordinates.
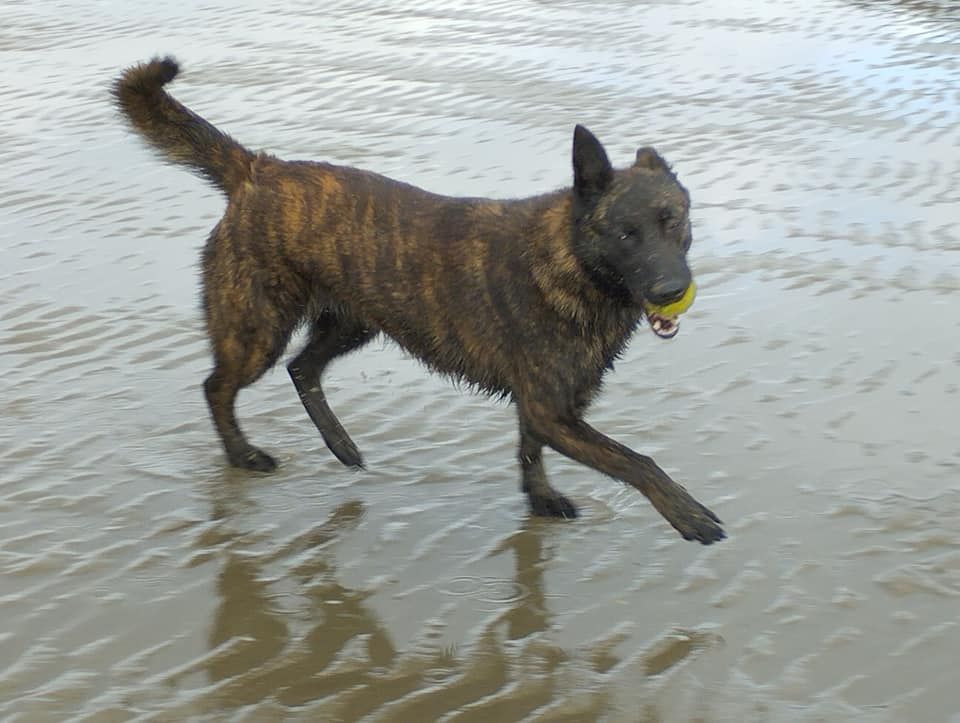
(666, 327)
(664, 319)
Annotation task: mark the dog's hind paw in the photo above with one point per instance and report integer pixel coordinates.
(345, 450)
(555, 505)
(253, 459)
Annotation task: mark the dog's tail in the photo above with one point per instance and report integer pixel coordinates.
(180, 134)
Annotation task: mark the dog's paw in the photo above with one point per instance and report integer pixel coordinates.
(554, 505)
(699, 524)
(253, 459)
(345, 450)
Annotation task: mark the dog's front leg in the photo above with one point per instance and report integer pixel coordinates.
(579, 441)
(543, 499)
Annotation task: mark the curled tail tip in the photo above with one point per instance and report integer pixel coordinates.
(168, 68)
(147, 77)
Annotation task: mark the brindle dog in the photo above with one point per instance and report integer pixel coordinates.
(531, 299)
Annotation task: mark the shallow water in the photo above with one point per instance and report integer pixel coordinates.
(810, 398)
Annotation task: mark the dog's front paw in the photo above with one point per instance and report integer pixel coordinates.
(691, 519)
(699, 523)
(552, 505)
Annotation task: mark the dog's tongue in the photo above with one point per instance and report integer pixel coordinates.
(663, 326)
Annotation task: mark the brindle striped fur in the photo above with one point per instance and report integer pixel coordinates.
(531, 299)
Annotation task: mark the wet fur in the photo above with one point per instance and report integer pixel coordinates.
(531, 299)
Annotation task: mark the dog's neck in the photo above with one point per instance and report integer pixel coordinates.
(573, 290)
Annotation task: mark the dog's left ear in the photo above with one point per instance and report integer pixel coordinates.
(592, 172)
(648, 158)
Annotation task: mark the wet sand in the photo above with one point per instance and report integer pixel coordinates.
(810, 398)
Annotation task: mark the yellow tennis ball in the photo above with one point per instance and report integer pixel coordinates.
(675, 308)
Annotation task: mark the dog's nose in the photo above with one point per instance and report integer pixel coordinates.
(667, 291)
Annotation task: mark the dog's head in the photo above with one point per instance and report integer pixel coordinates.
(632, 230)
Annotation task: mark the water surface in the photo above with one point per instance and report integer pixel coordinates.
(810, 398)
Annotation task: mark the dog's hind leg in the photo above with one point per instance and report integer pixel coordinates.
(239, 362)
(544, 500)
(330, 337)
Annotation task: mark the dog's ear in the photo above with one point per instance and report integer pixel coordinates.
(648, 158)
(592, 172)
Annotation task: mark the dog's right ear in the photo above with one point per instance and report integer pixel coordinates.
(648, 158)
(592, 172)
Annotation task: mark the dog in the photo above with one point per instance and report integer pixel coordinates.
(529, 299)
